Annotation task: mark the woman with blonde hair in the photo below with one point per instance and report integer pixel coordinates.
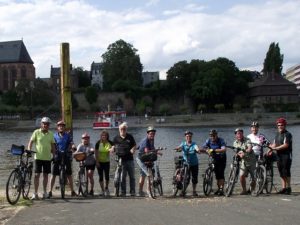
(102, 150)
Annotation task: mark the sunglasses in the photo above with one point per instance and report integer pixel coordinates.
(280, 125)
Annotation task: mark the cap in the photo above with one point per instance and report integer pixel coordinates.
(213, 132)
(45, 120)
(188, 132)
(281, 120)
(254, 124)
(150, 128)
(238, 130)
(61, 122)
(85, 135)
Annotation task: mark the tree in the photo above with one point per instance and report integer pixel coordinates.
(84, 79)
(91, 94)
(120, 62)
(11, 98)
(273, 60)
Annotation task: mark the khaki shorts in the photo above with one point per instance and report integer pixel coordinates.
(245, 170)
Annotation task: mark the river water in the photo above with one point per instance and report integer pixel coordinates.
(168, 137)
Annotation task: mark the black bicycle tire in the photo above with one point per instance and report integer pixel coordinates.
(262, 175)
(26, 183)
(269, 179)
(151, 183)
(185, 181)
(117, 182)
(15, 176)
(175, 183)
(82, 182)
(159, 183)
(208, 181)
(62, 182)
(231, 181)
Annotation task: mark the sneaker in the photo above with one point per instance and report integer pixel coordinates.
(123, 194)
(107, 194)
(91, 192)
(195, 194)
(244, 193)
(142, 194)
(288, 190)
(73, 194)
(132, 194)
(50, 194)
(221, 193)
(217, 192)
(102, 193)
(282, 191)
(35, 197)
(45, 195)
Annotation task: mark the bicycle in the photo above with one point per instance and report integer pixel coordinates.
(208, 175)
(62, 172)
(260, 177)
(181, 178)
(234, 172)
(81, 175)
(118, 176)
(19, 179)
(154, 182)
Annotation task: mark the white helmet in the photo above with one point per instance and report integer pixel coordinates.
(45, 120)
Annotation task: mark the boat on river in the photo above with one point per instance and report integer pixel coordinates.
(108, 119)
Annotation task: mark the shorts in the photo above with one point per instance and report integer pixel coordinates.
(220, 165)
(284, 165)
(92, 167)
(194, 170)
(103, 168)
(55, 168)
(42, 166)
(245, 170)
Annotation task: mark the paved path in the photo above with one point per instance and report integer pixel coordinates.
(239, 210)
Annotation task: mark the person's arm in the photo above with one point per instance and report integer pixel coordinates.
(29, 146)
(97, 153)
(133, 149)
(284, 146)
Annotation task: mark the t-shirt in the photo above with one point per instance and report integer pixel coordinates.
(249, 158)
(63, 143)
(189, 153)
(284, 137)
(218, 144)
(103, 151)
(124, 145)
(145, 143)
(87, 149)
(257, 139)
(43, 144)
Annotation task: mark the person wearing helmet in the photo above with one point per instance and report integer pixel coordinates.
(43, 139)
(217, 147)
(124, 146)
(64, 145)
(146, 145)
(189, 151)
(283, 146)
(257, 138)
(248, 158)
(90, 161)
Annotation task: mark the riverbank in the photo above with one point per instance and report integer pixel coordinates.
(191, 120)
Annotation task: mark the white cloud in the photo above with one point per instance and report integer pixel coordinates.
(242, 33)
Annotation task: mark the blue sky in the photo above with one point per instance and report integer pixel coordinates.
(163, 31)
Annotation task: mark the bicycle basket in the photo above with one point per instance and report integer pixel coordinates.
(178, 160)
(17, 150)
(149, 157)
(79, 156)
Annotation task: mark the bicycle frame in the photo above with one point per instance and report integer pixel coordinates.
(118, 176)
(208, 176)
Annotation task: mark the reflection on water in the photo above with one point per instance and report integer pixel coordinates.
(165, 137)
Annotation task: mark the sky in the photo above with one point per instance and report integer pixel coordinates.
(163, 31)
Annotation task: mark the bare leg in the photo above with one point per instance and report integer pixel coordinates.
(36, 182)
(52, 182)
(45, 182)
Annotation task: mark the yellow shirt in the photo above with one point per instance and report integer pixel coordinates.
(103, 150)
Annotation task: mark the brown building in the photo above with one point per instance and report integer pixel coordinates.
(55, 78)
(15, 64)
(272, 88)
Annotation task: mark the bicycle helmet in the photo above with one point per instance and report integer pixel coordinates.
(213, 132)
(281, 120)
(61, 122)
(188, 133)
(238, 130)
(45, 120)
(254, 124)
(85, 136)
(150, 128)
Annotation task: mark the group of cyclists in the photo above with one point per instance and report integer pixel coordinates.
(49, 146)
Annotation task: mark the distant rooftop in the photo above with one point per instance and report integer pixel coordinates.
(14, 52)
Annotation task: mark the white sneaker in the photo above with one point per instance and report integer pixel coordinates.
(34, 196)
(107, 192)
(102, 193)
(45, 195)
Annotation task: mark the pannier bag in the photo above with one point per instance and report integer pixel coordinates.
(17, 150)
(149, 157)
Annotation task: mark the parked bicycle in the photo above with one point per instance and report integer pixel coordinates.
(234, 172)
(118, 175)
(208, 176)
(81, 181)
(181, 178)
(154, 178)
(19, 180)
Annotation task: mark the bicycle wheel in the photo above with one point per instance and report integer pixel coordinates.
(151, 183)
(82, 182)
(13, 187)
(231, 181)
(208, 181)
(185, 181)
(176, 182)
(117, 182)
(26, 183)
(261, 179)
(62, 182)
(158, 183)
(269, 179)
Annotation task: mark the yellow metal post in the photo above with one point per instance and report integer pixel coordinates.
(65, 86)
